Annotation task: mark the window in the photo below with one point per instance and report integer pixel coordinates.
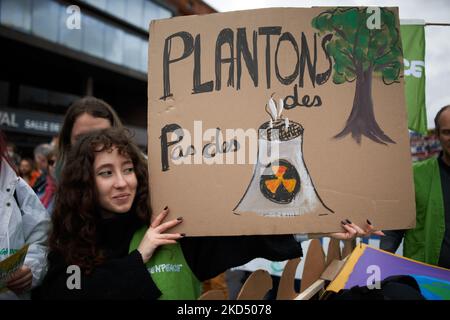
(45, 19)
(16, 13)
(144, 56)
(101, 4)
(114, 44)
(132, 52)
(116, 8)
(153, 11)
(134, 12)
(92, 30)
(69, 37)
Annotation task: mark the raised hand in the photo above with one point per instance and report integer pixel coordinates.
(352, 231)
(156, 235)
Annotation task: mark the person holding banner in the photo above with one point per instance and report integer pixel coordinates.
(104, 245)
(23, 221)
(429, 241)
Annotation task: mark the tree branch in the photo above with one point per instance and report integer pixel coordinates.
(355, 43)
(349, 55)
(381, 50)
(383, 65)
(341, 33)
(383, 55)
(351, 69)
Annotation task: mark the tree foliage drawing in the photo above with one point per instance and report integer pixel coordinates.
(359, 53)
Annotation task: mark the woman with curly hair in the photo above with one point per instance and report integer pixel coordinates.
(101, 203)
(97, 209)
(104, 232)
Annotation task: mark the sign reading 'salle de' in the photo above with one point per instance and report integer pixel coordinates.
(278, 121)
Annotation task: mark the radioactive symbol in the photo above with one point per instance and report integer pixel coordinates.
(280, 182)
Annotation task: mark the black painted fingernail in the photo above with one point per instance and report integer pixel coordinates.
(369, 222)
(348, 221)
(180, 218)
(343, 222)
(166, 207)
(183, 234)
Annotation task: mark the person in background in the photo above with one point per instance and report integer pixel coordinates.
(429, 241)
(54, 142)
(23, 221)
(27, 171)
(48, 195)
(40, 158)
(84, 115)
(12, 154)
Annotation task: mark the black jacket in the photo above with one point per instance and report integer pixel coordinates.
(125, 276)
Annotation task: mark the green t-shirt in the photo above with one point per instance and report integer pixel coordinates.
(170, 271)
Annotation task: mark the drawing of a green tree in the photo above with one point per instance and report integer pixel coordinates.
(358, 53)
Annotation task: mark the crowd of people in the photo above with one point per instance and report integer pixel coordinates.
(38, 173)
(84, 201)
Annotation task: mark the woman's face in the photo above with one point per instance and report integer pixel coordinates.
(115, 181)
(86, 123)
(25, 167)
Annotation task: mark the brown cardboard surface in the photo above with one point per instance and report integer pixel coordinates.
(334, 251)
(332, 270)
(314, 264)
(286, 289)
(256, 286)
(349, 246)
(355, 180)
(213, 295)
(315, 289)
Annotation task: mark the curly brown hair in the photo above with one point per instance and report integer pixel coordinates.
(77, 212)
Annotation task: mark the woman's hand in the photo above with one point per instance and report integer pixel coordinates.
(352, 231)
(21, 280)
(156, 236)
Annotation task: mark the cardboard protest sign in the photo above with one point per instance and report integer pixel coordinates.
(278, 121)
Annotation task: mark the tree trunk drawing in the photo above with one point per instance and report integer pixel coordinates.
(362, 118)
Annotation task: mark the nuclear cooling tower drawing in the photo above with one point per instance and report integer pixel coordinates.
(281, 184)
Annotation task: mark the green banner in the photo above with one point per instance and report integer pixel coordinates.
(413, 40)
